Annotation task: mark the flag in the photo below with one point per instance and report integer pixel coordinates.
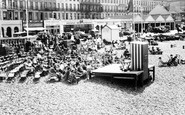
(130, 6)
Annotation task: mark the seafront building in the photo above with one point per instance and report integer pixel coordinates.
(13, 12)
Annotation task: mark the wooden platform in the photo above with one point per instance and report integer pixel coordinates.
(114, 71)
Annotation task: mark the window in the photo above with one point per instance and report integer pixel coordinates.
(30, 15)
(58, 6)
(54, 6)
(71, 16)
(50, 5)
(21, 15)
(42, 5)
(38, 17)
(59, 16)
(66, 16)
(66, 7)
(55, 16)
(15, 4)
(74, 15)
(31, 5)
(4, 3)
(45, 4)
(75, 7)
(63, 15)
(78, 16)
(50, 15)
(46, 15)
(70, 6)
(9, 3)
(36, 5)
(62, 6)
(21, 4)
(16, 16)
(4, 15)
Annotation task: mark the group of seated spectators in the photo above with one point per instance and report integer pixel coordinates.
(155, 50)
(69, 63)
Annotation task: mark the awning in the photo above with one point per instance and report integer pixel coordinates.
(35, 29)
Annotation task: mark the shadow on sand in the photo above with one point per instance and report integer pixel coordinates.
(124, 85)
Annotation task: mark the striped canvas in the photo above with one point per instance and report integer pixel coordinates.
(139, 57)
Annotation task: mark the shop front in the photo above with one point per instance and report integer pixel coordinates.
(61, 26)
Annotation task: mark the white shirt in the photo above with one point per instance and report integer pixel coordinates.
(62, 66)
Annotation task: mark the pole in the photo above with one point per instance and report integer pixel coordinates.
(142, 22)
(133, 20)
(27, 17)
(1, 7)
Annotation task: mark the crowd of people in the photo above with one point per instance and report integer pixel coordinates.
(66, 58)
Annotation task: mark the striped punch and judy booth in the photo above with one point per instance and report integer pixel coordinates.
(139, 57)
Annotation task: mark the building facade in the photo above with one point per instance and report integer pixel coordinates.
(145, 6)
(119, 7)
(67, 9)
(40, 10)
(113, 7)
(14, 11)
(90, 9)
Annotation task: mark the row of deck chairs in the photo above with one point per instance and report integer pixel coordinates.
(11, 65)
(19, 72)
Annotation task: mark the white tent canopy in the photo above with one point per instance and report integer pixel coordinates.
(159, 10)
(160, 19)
(149, 19)
(169, 19)
(138, 19)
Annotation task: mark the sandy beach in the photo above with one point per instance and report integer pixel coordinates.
(97, 96)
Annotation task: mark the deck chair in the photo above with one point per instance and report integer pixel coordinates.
(10, 76)
(3, 75)
(23, 75)
(53, 76)
(37, 76)
(13, 73)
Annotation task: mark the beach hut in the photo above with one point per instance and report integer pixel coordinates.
(110, 33)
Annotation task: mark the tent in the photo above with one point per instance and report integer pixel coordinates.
(138, 19)
(160, 19)
(159, 10)
(169, 19)
(149, 19)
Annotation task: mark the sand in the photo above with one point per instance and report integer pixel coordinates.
(98, 96)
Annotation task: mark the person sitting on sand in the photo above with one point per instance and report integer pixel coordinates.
(172, 61)
(153, 50)
(81, 70)
(161, 63)
(158, 50)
